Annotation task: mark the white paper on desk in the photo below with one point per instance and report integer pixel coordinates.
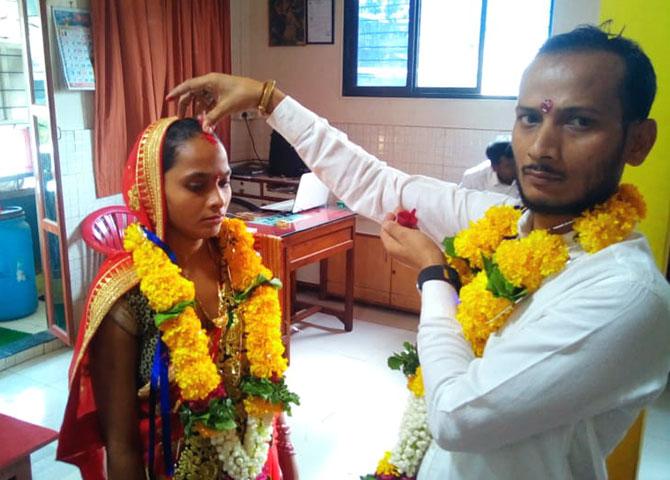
(319, 21)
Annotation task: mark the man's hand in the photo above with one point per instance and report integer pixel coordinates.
(409, 246)
(218, 95)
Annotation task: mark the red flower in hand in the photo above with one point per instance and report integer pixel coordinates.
(407, 219)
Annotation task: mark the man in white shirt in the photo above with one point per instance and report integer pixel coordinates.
(560, 383)
(497, 174)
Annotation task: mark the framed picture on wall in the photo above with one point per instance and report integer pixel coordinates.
(287, 22)
(320, 21)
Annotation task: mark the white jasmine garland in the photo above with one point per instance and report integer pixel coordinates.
(414, 437)
(244, 460)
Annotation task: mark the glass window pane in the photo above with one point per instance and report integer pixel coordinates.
(448, 49)
(511, 43)
(383, 36)
(36, 52)
(45, 160)
(55, 273)
(13, 93)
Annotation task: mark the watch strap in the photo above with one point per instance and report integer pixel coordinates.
(439, 272)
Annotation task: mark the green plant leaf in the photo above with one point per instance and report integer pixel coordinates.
(175, 311)
(273, 392)
(499, 286)
(258, 281)
(407, 360)
(449, 247)
(219, 416)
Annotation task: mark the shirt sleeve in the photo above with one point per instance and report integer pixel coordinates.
(605, 348)
(368, 185)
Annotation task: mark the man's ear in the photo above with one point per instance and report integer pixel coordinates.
(640, 138)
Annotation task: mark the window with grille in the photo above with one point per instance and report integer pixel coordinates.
(443, 48)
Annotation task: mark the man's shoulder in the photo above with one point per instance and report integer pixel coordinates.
(625, 267)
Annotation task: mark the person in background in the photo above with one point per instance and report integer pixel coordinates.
(539, 372)
(497, 174)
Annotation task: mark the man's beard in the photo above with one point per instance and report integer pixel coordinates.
(605, 188)
(593, 198)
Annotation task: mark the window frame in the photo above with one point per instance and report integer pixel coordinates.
(350, 60)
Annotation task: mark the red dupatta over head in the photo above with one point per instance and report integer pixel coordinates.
(80, 441)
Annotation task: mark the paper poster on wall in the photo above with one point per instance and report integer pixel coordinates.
(73, 34)
(320, 14)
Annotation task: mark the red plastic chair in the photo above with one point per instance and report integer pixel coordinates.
(103, 229)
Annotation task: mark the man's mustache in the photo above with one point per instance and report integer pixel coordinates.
(538, 167)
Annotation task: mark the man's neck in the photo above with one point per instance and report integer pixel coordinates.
(555, 223)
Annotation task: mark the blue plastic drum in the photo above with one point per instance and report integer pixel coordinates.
(18, 292)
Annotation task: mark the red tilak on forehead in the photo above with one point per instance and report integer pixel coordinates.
(546, 105)
(210, 138)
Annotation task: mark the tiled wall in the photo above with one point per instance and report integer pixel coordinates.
(439, 152)
(76, 161)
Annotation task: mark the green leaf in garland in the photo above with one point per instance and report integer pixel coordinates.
(276, 393)
(175, 311)
(407, 360)
(258, 281)
(449, 247)
(499, 285)
(219, 416)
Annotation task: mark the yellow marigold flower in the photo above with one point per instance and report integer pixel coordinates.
(257, 407)
(195, 373)
(462, 268)
(628, 193)
(261, 316)
(385, 467)
(527, 261)
(415, 383)
(132, 237)
(238, 251)
(611, 221)
(480, 313)
(483, 236)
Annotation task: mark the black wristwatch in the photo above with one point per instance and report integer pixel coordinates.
(439, 272)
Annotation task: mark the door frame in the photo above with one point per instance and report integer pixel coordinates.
(47, 226)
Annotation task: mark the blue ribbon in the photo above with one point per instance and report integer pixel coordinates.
(160, 243)
(159, 370)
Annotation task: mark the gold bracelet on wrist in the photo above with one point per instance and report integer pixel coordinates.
(266, 95)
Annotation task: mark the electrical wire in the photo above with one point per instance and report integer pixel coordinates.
(253, 144)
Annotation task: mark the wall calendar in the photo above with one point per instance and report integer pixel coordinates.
(73, 33)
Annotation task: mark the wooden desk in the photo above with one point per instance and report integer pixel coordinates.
(319, 234)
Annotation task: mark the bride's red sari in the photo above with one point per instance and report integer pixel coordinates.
(80, 441)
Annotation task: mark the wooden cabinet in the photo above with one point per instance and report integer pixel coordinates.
(378, 278)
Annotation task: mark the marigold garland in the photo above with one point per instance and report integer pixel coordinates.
(256, 304)
(496, 271)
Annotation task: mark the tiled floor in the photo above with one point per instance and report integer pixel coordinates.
(351, 402)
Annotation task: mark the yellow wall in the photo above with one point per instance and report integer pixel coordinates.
(648, 23)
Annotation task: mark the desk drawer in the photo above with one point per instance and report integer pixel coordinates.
(245, 188)
(279, 192)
